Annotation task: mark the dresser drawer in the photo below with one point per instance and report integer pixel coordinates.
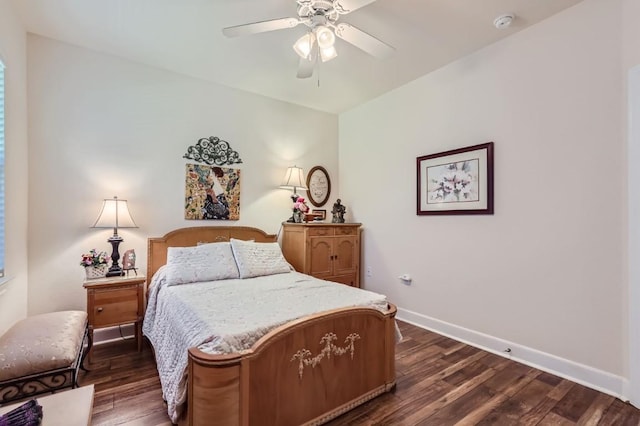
(321, 231)
(346, 230)
(114, 306)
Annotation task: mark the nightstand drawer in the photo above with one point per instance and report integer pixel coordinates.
(114, 306)
(115, 301)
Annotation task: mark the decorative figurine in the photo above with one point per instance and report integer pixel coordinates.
(338, 212)
(129, 261)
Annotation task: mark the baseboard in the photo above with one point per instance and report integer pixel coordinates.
(599, 380)
(111, 334)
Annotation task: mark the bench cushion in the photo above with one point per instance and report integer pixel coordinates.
(41, 343)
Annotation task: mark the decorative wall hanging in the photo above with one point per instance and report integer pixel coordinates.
(212, 193)
(319, 186)
(459, 181)
(212, 150)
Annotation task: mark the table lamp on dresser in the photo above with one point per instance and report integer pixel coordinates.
(293, 179)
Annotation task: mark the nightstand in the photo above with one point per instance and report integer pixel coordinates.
(115, 301)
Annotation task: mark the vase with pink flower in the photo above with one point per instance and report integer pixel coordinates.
(95, 264)
(299, 209)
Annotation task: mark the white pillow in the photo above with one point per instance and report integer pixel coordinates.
(257, 259)
(206, 262)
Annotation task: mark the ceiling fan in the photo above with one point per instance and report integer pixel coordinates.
(321, 17)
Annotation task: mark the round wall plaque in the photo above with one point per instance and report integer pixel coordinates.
(319, 186)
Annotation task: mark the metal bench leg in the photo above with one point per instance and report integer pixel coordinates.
(89, 338)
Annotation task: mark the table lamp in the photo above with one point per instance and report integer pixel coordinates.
(293, 179)
(115, 214)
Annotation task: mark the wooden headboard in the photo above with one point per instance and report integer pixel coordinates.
(185, 237)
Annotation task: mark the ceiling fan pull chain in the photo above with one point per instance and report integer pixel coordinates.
(318, 69)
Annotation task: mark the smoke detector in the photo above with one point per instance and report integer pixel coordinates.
(503, 21)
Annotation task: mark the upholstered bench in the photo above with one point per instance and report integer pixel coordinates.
(42, 353)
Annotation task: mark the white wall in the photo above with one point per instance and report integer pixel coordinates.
(546, 273)
(631, 33)
(13, 53)
(631, 69)
(101, 126)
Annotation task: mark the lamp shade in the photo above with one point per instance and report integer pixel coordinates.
(321, 37)
(328, 54)
(114, 214)
(304, 44)
(293, 178)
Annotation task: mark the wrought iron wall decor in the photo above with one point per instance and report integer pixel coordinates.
(213, 151)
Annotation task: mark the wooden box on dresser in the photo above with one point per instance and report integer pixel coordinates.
(115, 301)
(330, 251)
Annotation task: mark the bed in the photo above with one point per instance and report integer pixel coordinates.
(307, 370)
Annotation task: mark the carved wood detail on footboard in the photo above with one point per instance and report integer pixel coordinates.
(305, 372)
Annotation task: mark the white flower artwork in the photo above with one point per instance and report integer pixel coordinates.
(453, 182)
(458, 181)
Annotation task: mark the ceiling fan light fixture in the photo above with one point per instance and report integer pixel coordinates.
(304, 45)
(328, 53)
(320, 17)
(326, 38)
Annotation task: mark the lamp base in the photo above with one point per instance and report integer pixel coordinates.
(115, 272)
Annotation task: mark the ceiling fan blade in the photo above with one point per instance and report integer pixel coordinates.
(261, 27)
(363, 41)
(305, 68)
(346, 6)
(306, 65)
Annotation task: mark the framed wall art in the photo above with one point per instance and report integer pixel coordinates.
(319, 186)
(211, 193)
(459, 181)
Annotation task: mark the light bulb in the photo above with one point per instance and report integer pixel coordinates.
(325, 37)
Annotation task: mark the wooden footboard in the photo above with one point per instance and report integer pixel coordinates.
(305, 372)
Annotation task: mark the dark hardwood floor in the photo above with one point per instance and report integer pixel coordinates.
(439, 382)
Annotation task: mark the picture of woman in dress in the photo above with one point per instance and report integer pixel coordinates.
(212, 193)
(215, 205)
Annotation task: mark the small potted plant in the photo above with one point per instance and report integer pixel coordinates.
(95, 264)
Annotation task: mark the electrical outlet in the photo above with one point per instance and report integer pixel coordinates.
(369, 273)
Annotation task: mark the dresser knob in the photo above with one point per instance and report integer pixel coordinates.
(99, 309)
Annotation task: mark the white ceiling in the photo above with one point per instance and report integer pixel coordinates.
(185, 36)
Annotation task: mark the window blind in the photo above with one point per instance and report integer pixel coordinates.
(1, 169)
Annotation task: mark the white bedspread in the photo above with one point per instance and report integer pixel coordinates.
(230, 316)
